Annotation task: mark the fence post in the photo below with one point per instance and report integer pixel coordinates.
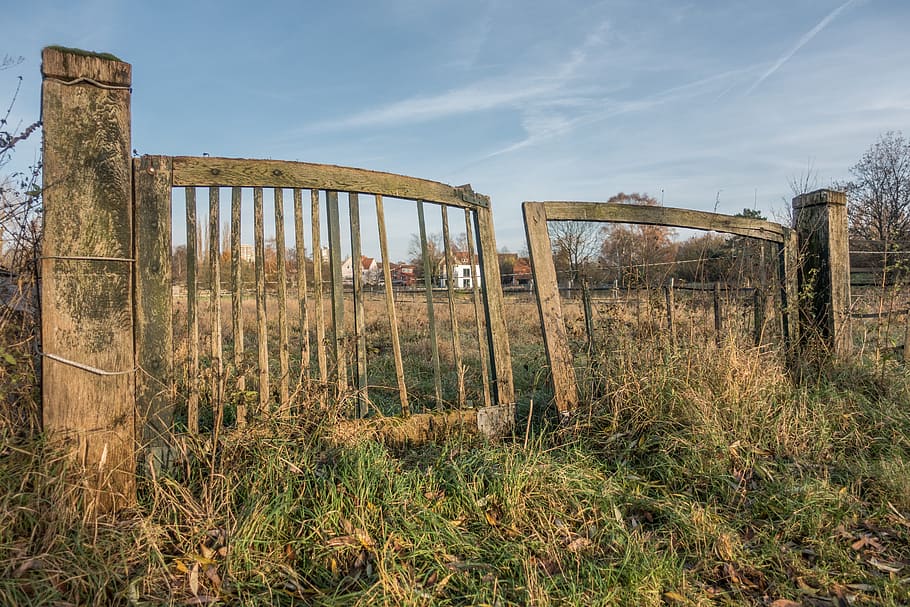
(820, 219)
(88, 393)
(153, 309)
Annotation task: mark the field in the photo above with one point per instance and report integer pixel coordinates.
(699, 472)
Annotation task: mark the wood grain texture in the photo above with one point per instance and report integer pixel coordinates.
(824, 270)
(431, 313)
(497, 333)
(479, 318)
(87, 312)
(665, 216)
(318, 299)
(153, 306)
(217, 369)
(360, 333)
(262, 333)
(284, 369)
(556, 341)
(279, 173)
(237, 303)
(192, 313)
(304, 328)
(390, 308)
(57, 63)
(338, 338)
(453, 317)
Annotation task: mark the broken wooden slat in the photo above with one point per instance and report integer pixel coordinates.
(431, 317)
(556, 341)
(359, 320)
(478, 313)
(280, 254)
(338, 341)
(261, 318)
(209, 171)
(192, 314)
(301, 287)
(450, 284)
(390, 307)
(317, 290)
(237, 303)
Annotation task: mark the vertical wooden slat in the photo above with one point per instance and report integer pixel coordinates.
(390, 307)
(479, 319)
(359, 320)
(154, 306)
(338, 340)
(497, 332)
(261, 319)
(758, 326)
(280, 254)
(237, 304)
(192, 314)
(450, 284)
(317, 289)
(556, 341)
(431, 317)
(300, 249)
(215, 284)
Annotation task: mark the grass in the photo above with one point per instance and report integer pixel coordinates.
(695, 475)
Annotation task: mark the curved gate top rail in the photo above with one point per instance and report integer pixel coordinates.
(242, 172)
(664, 216)
(556, 342)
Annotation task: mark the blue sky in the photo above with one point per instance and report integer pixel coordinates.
(702, 101)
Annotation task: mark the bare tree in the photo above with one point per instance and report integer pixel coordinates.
(638, 254)
(575, 248)
(879, 194)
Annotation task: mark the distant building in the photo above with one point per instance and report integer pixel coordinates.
(247, 253)
(403, 274)
(369, 270)
(464, 276)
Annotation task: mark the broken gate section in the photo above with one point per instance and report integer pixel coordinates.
(536, 216)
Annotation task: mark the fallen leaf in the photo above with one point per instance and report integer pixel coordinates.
(674, 597)
(785, 603)
(884, 566)
(194, 579)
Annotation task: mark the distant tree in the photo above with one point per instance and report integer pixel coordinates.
(575, 248)
(435, 254)
(639, 255)
(703, 258)
(879, 193)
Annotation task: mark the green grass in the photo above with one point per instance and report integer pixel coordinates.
(700, 477)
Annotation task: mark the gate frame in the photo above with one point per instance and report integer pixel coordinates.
(543, 268)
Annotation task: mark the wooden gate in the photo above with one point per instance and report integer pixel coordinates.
(536, 216)
(340, 372)
(108, 306)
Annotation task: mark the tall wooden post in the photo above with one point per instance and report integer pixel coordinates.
(154, 307)
(820, 220)
(88, 374)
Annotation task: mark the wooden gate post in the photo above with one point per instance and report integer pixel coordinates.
(88, 394)
(820, 219)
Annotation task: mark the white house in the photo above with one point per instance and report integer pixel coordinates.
(464, 277)
(369, 270)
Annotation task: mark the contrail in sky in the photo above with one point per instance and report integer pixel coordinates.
(802, 42)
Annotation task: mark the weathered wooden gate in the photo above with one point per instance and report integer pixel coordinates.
(536, 216)
(108, 304)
